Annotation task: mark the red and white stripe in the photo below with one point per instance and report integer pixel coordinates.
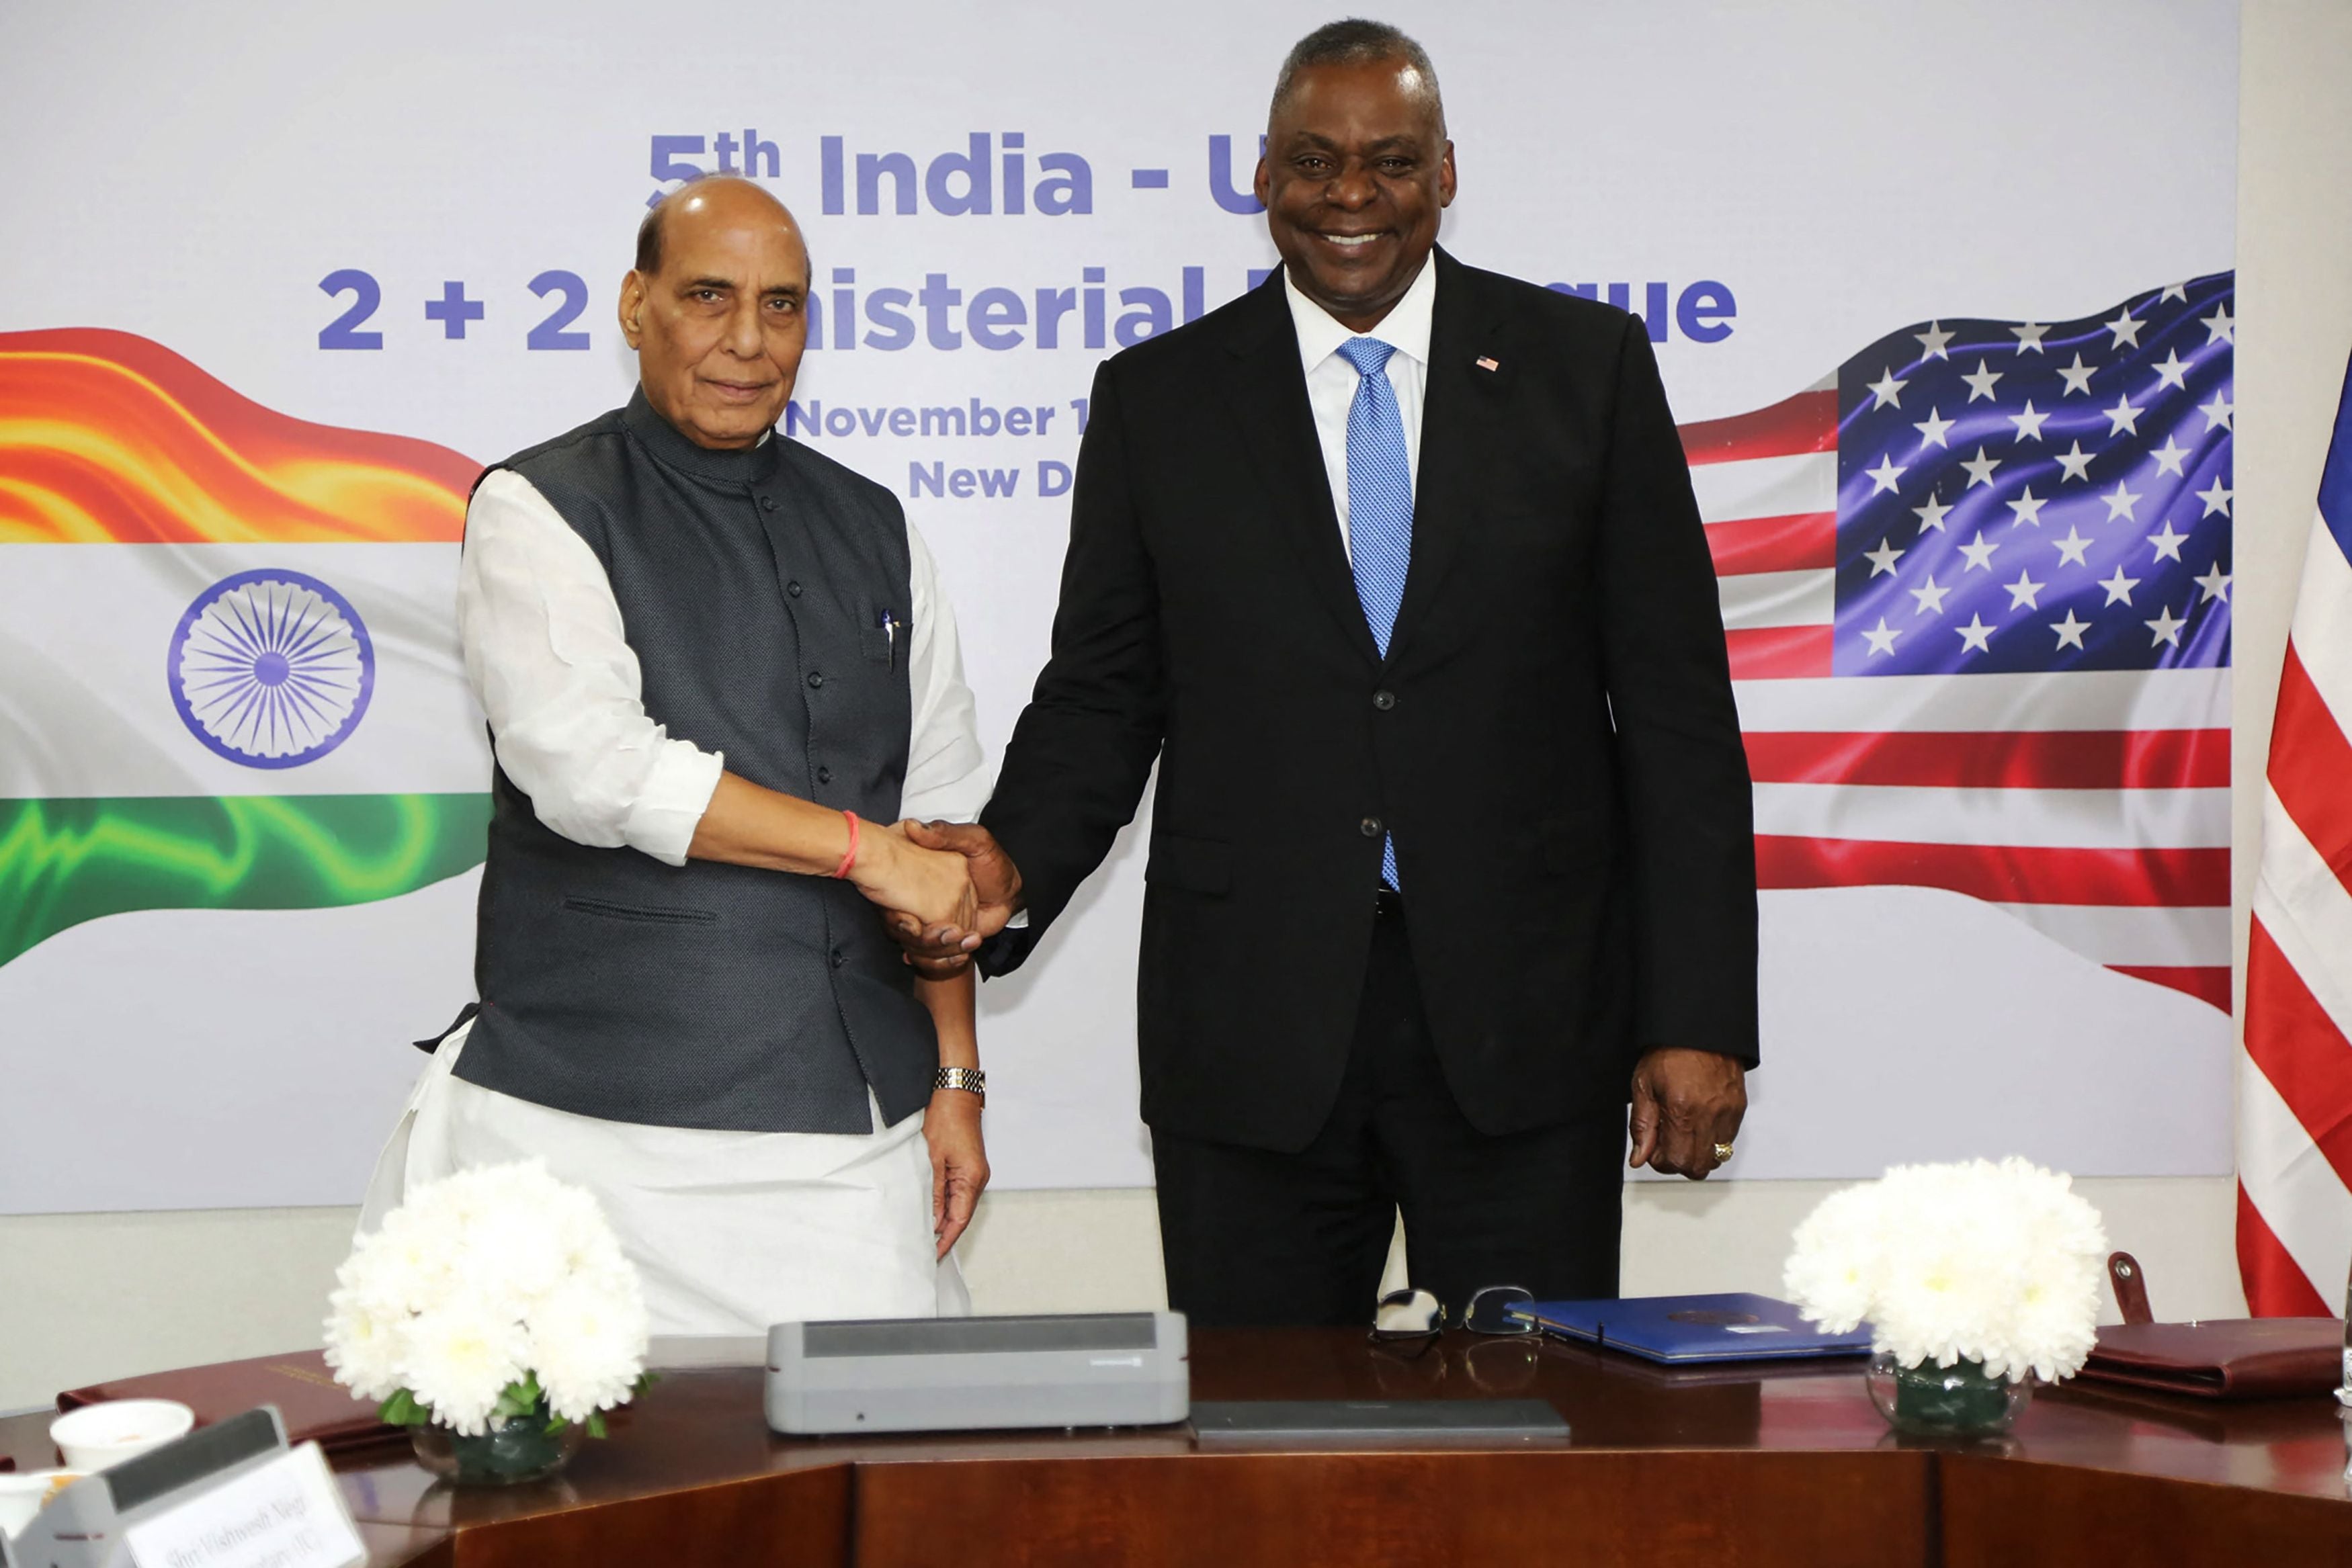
(2295, 1074)
(2094, 806)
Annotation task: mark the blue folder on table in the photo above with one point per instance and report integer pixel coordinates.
(1679, 1329)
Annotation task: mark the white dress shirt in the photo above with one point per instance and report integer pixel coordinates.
(1331, 380)
(550, 662)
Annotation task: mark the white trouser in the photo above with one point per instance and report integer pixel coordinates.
(730, 1231)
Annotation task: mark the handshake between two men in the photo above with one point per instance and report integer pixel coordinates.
(1686, 1105)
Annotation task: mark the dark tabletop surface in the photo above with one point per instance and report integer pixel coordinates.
(703, 1429)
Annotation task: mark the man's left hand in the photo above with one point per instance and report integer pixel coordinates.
(959, 1162)
(1685, 1103)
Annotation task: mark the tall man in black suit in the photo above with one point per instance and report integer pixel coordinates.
(1393, 565)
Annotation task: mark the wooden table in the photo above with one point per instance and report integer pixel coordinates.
(1716, 1469)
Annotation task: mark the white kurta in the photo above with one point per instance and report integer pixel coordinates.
(730, 1231)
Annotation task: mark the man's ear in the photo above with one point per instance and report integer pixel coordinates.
(633, 306)
(1262, 184)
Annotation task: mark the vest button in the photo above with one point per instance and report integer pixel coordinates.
(1384, 700)
(815, 679)
(793, 589)
(766, 503)
(825, 775)
(839, 958)
(1370, 827)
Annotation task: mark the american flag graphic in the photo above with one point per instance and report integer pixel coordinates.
(2294, 1077)
(1977, 593)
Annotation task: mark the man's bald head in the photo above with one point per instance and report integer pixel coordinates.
(703, 189)
(715, 310)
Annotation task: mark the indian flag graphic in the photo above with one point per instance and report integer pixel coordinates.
(228, 674)
(243, 786)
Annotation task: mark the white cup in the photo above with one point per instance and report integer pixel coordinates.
(97, 1435)
(22, 1495)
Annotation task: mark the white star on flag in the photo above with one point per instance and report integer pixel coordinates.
(1881, 638)
(2172, 373)
(1980, 383)
(2029, 337)
(1934, 428)
(1980, 553)
(2077, 463)
(2216, 499)
(2120, 504)
(2218, 411)
(2072, 547)
(2126, 328)
(2167, 543)
(1930, 597)
(1888, 390)
(2216, 584)
(2219, 327)
(1883, 478)
(2167, 458)
(1976, 635)
(2070, 631)
(2077, 376)
(2119, 587)
(2022, 593)
(1931, 516)
(2166, 628)
(1882, 560)
(2029, 424)
(2123, 417)
(1932, 342)
(1980, 468)
(2028, 507)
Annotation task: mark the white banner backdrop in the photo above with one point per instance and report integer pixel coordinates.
(412, 219)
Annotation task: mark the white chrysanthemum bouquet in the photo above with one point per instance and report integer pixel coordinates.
(489, 1295)
(1995, 1264)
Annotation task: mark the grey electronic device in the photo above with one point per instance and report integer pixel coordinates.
(966, 1374)
(1377, 1423)
(82, 1526)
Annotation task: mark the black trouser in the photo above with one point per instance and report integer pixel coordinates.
(1253, 1237)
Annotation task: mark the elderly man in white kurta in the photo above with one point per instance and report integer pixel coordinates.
(717, 667)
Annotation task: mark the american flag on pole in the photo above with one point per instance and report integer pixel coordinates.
(2295, 1079)
(1977, 590)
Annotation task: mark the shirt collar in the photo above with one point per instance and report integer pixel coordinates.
(1404, 328)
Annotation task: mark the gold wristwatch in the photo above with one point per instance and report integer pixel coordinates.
(972, 1079)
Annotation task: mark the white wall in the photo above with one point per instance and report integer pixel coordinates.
(85, 1296)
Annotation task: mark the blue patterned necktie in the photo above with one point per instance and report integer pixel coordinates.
(1380, 506)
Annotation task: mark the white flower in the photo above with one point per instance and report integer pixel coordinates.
(588, 1340)
(368, 1349)
(461, 1356)
(480, 1278)
(1993, 1263)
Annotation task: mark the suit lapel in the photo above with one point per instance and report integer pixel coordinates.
(1459, 406)
(1268, 392)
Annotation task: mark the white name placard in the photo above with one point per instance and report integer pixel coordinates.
(287, 1514)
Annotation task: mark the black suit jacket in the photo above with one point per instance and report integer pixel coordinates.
(1552, 738)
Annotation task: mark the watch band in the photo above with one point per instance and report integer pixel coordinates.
(972, 1079)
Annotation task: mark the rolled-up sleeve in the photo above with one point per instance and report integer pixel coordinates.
(549, 661)
(948, 776)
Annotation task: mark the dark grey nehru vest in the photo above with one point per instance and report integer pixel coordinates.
(752, 587)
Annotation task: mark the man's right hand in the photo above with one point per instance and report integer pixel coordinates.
(932, 883)
(939, 948)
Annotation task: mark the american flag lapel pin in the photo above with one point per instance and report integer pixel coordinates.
(1486, 362)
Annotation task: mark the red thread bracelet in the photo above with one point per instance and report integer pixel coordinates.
(851, 858)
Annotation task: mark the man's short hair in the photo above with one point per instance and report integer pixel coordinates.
(1355, 42)
(649, 235)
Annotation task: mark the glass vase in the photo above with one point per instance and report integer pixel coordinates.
(517, 1449)
(1955, 1401)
